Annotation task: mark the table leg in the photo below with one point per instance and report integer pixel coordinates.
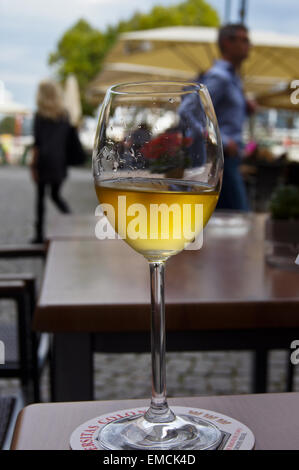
(290, 376)
(71, 367)
(260, 370)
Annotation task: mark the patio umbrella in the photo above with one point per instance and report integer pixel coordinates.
(122, 72)
(278, 99)
(13, 108)
(274, 58)
(72, 99)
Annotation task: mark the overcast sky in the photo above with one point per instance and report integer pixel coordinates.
(30, 30)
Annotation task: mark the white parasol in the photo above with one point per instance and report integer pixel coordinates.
(173, 51)
(10, 107)
(72, 99)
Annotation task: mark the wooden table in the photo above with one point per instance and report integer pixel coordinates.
(273, 419)
(223, 296)
(72, 226)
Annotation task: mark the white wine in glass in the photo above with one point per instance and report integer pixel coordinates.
(157, 166)
(163, 230)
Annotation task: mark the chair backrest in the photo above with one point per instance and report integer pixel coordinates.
(19, 340)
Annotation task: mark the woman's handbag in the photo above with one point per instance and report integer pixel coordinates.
(75, 153)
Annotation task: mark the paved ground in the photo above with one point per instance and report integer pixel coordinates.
(125, 375)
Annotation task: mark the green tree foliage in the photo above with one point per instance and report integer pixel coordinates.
(7, 125)
(82, 48)
(188, 13)
(80, 51)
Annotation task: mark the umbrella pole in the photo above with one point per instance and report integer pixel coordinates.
(227, 11)
(243, 11)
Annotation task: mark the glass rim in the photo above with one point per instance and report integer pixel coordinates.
(120, 88)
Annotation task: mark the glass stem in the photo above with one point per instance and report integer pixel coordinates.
(159, 410)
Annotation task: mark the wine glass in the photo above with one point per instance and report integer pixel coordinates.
(157, 166)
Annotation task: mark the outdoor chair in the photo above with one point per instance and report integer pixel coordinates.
(32, 345)
(8, 406)
(25, 352)
(23, 251)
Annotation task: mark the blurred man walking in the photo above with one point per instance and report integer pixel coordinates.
(231, 107)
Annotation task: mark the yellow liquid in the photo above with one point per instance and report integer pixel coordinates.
(155, 218)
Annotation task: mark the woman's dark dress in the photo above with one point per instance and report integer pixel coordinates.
(50, 140)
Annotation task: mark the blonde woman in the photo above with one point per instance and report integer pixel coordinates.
(49, 165)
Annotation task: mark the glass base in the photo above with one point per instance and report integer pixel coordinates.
(135, 432)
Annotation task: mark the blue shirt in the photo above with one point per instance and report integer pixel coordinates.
(226, 91)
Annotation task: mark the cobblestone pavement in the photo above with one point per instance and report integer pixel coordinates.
(120, 376)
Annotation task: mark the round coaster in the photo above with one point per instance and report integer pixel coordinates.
(235, 435)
